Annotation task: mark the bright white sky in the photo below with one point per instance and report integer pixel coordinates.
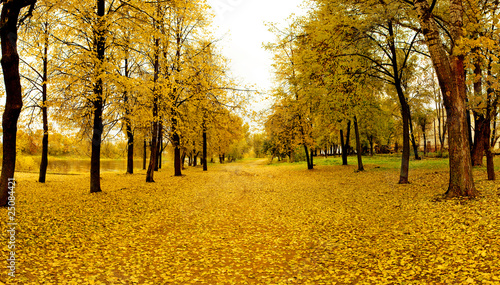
(241, 25)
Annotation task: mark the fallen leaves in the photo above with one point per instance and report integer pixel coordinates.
(251, 223)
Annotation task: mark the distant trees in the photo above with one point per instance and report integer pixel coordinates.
(147, 68)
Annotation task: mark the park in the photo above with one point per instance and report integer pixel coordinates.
(250, 142)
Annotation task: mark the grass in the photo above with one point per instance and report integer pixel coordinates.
(252, 223)
(387, 162)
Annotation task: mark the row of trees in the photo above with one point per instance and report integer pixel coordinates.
(340, 65)
(232, 143)
(149, 69)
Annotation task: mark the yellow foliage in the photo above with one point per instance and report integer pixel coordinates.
(253, 223)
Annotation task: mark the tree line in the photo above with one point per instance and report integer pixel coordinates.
(343, 64)
(148, 69)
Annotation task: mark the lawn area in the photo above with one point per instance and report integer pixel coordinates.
(253, 223)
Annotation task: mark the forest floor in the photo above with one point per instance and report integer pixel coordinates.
(253, 223)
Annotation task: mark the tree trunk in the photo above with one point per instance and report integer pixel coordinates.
(405, 158)
(177, 155)
(158, 152)
(413, 141)
(358, 145)
(405, 110)
(98, 102)
(14, 100)
(451, 76)
(307, 157)
(469, 126)
(176, 140)
(183, 160)
(370, 140)
(154, 145)
(130, 148)
(45, 141)
(144, 154)
(425, 143)
(490, 167)
(154, 138)
(311, 161)
(205, 164)
(435, 138)
(481, 138)
(343, 146)
(128, 126)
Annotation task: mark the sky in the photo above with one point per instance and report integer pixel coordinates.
(241, 25)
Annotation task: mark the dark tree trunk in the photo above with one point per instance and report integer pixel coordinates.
(435, 138)
(405, 110)
(205, 164)
(153, 157)
(481, 138)
(128, 127)
(307, 157)
(95, 160)
(154, 138)
(176, 140)
(425, 143)
(158, 158)
(469, 129)
(130, 148)
(144, 155)
(183, 160)
(358, 145)
(405, 159)
(490, 167)
(370, 139)
(45, 141)
(343, 146)
(14, 100)
(413, 141)
(311, 160)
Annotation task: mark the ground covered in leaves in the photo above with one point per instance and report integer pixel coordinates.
(251, 223)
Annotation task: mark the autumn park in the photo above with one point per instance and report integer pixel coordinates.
(133, 154)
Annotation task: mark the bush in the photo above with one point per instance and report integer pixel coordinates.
(25, 163)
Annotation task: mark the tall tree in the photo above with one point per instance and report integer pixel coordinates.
(449, 66)
(9, 20)
(98, 104)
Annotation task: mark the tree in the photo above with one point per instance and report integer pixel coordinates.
(9, 20)
(480, 47)
(294, 93)
(376, 32)
(449, 67)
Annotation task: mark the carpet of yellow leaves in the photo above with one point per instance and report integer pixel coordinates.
(249, 223)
